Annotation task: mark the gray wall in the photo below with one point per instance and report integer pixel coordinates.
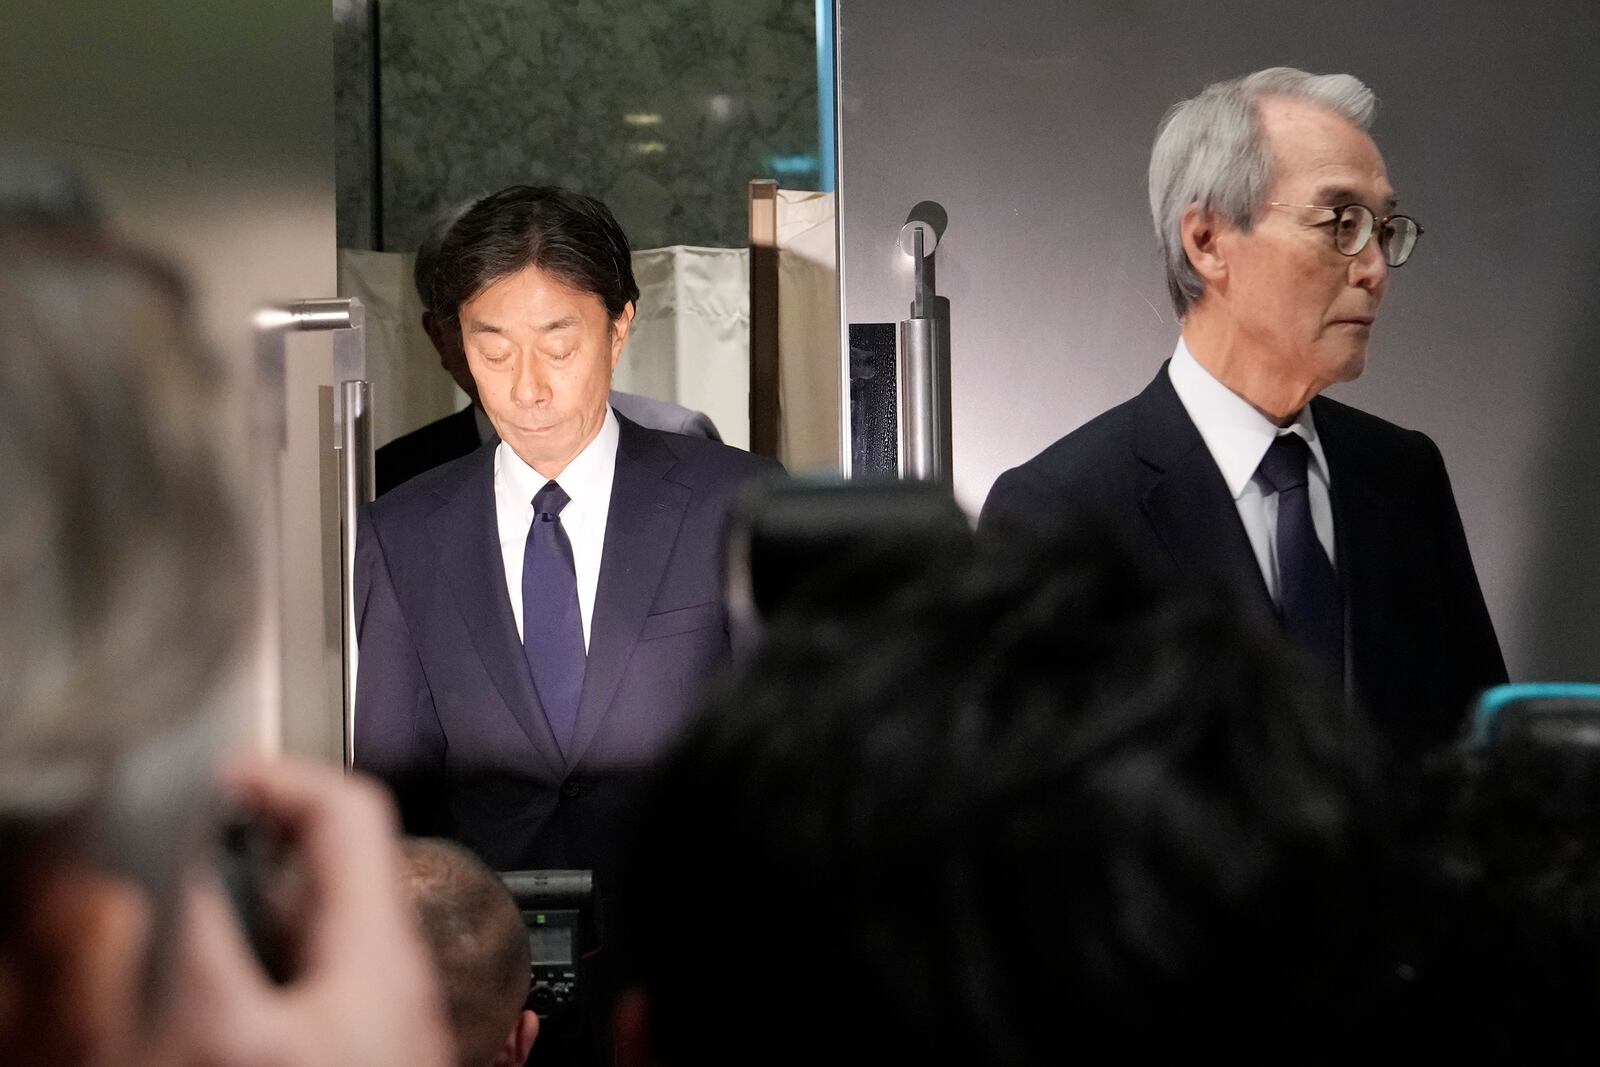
(1030, 123)
(208, 129)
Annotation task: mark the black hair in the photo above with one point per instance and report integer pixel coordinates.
(566, 234)
(426, 264)
(1508, 927)
(1039, 806)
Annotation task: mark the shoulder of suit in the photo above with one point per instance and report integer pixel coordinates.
(700, 458)
(1352, 426)
(1379, 453)
(661, 414)
(425, 492)
(1085, 451)
(426, 435)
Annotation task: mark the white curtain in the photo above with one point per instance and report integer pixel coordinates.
(409, 388)
(691, 334)
(808, 334)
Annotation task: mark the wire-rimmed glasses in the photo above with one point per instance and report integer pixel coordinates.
(1354, 224)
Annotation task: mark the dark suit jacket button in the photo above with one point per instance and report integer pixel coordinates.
(569, 788)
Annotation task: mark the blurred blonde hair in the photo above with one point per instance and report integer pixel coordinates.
(123, 573)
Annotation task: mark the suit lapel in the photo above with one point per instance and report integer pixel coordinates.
(641, 529)
(1186, 501)
(1363, 524)
(467, 546)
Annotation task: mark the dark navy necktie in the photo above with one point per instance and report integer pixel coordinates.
(552, 628)
(1309, 602)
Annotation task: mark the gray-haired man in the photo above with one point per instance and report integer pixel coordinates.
(1278, 224)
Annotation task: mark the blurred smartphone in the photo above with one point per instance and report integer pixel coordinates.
(254, 862)
(1541, 743)
(161, 814)
(1560, 712)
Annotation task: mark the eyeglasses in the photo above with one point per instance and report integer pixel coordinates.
(1353, 225)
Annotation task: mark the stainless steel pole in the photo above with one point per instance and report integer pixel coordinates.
(919, 380)
(352, 419)
(355, 491)
(919, 453)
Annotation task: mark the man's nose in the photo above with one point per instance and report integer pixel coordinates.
(531, 386)
(1369, 269)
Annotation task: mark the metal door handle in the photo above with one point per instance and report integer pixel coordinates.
(920, 385)
(352, 422)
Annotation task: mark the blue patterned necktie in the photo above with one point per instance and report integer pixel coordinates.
(552, 628)
(1309, 601)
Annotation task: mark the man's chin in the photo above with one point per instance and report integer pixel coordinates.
(1348, 365)
(543, 450)
(1356, 365)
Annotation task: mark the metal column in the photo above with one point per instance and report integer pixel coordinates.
(352, 434)
(922, 389)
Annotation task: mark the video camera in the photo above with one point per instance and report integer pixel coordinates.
(559, 914)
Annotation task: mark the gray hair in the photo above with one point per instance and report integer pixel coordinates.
(1210, 151)
(123, 568)
(40, 189)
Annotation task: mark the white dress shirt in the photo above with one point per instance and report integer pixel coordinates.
(1238, 436)
(587, 483)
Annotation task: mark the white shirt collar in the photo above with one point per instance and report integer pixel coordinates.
(1236, 434)
(587, 481)
(586, 477)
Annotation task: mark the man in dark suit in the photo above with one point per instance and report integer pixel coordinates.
(466, 430)
(1276, 219)
(536, 617)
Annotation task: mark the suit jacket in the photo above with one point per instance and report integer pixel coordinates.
(446, 710)
(454, 436)
(425, 448)
(664, 415)
(1419, 643)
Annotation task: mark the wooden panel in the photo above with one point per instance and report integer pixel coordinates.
(764, 317)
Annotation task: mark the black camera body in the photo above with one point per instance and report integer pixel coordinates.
(558, 911)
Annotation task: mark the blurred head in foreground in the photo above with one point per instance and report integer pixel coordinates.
(1037, 805)
(1511, 964)
(127, 593)
(123, 574)
(480, 947)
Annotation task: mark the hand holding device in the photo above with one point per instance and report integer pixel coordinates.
(355, 985)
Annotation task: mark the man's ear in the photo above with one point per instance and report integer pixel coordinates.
(632, 1039)
(431, 327)
(619, 331)
(1202, 230)
(446, 337)
(12, 1015)
(514, 1053)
